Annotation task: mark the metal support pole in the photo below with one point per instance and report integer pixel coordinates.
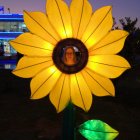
(68, 132)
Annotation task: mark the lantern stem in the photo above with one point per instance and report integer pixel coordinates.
(68, 132)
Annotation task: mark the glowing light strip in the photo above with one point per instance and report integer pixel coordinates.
(9, 35)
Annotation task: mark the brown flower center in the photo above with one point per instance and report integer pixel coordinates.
(70, 55)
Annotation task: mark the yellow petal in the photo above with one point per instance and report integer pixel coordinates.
(81, 12)
(38, 24)
(59, 16)
(111, 44)
(43, 83)
(99, 85)
(29, 66)
(32, 45)
(80, 92)
(60, 95)
(110, 66)
(100, 24)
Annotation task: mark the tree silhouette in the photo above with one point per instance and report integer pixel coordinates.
(132, 44)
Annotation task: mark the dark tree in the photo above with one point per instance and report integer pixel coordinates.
(115, 26)
(132, 44)
(128, 24)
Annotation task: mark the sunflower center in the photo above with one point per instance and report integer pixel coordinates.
(70, 55)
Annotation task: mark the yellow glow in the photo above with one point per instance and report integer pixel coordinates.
(61, 20)
(64, 33)
(28, 67)
(48, 46)
(78, 95)
(93, 29)
(81, 12)
(111, 44)
(91, 41)
(32, 45)
(52, 69)
(43, 83)
(39, 24)
(110, 66)
(100, 24)
(99, 85)
(60, 94)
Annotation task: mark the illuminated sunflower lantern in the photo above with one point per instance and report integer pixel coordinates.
(70, 53)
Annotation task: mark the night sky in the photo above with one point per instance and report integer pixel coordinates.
(121, 8)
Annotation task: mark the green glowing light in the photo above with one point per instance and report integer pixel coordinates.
(97, 130)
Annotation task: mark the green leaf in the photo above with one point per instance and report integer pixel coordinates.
(97, 130)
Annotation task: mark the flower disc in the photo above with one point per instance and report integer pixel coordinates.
(81, 55)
